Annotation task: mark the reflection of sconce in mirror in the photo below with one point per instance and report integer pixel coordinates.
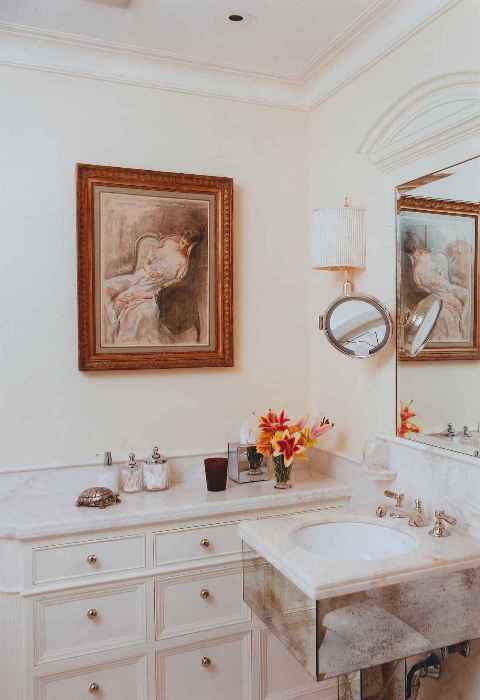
(356, 325)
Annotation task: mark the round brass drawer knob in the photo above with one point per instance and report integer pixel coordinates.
(92, 559)
(92, 613)
(206, 661)
(93, 688)
(205, 542)
(204, 593)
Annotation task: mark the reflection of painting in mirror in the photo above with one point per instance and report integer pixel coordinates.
(438, 255)
(155, 269)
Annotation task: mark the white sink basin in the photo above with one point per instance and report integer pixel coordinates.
(353, 541)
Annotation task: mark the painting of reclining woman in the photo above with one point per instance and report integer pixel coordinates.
(154, 267)
(155, 255)
(438, 255)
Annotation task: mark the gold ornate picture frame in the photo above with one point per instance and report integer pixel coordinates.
(155, 269)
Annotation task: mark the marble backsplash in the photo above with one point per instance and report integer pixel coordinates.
(443, 479)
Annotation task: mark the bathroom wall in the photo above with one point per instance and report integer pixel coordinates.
(50, 412)
(360, 396)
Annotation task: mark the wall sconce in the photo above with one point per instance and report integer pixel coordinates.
(338, 241)
(354, 324)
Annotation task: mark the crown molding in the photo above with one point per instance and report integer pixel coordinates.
(386, 26)
(387, 29)
(433, 116)
(72, 55)
(346, 38)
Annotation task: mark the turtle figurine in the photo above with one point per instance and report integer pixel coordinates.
(97, 497)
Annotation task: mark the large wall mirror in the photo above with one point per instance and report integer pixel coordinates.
(438, 308)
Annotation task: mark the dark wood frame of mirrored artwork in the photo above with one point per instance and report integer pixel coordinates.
(208, 341)
(454, 350)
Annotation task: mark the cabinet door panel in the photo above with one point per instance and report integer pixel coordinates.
(217, 670)
(198, 602)
(123, 680)
(75, 623)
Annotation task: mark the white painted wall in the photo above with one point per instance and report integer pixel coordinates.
(49, 411)
(360, 396)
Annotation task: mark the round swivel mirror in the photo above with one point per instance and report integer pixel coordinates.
(419, 324)
(358, 326)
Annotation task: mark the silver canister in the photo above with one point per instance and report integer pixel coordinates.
(245, 464)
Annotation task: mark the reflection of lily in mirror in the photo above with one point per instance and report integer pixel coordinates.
(405, 426)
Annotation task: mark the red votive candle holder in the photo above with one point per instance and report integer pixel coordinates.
(216, 473)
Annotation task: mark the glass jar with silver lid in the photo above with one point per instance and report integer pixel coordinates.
(156, 472)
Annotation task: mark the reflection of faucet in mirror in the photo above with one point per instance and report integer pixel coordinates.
(450, 431)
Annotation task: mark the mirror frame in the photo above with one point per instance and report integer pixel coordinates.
(373, 301)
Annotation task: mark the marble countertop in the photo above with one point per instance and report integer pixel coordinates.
(40, 511)
(320, 579)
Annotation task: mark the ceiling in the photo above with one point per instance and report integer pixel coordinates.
(280, 38)
(292, 54)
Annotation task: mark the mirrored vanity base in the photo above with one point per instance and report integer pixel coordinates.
(384, 682)
(340, 635)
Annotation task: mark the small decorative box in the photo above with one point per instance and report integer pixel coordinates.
(245, 464)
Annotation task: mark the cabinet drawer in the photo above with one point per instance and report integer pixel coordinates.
(75, 623)
(124, 679)
(194, 603)
(63, 562)
(204, 542)
(212, 671)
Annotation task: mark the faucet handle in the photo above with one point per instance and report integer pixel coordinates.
(398, 497)
(439, 529)
(447, 518)
(107, 457)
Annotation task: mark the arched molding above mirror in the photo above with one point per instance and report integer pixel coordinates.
(432, 116)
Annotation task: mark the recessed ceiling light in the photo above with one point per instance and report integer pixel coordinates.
(236, 18)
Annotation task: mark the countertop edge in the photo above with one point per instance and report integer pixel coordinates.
(318, 494)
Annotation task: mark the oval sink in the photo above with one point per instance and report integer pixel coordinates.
(353, 541)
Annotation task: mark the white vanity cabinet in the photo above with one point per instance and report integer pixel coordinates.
(148, 613)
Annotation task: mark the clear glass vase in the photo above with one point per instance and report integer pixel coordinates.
(282, 473)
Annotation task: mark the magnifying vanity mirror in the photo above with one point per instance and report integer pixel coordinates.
(438, 310)
(356, 325)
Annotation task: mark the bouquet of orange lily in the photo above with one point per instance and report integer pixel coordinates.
(284, 440)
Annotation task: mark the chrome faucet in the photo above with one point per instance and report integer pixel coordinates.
(466, 432)
(439, 528)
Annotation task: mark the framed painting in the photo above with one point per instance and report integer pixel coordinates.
(438, 253)
(154, 269)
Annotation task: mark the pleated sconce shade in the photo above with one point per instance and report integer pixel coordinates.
(338, 238)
